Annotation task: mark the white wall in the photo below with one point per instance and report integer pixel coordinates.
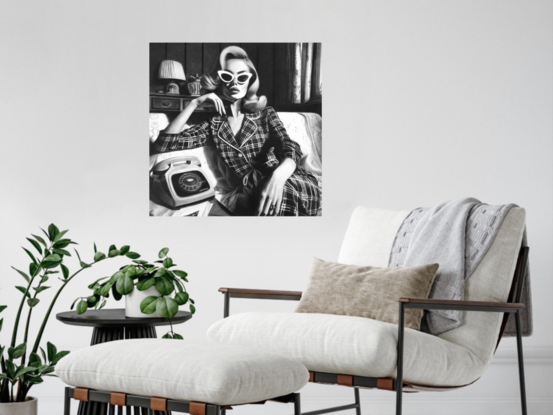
(423, 102)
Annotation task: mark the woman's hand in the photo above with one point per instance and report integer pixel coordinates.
(271, 195)
(219, 106)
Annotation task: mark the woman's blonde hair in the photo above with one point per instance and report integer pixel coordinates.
(211, 82)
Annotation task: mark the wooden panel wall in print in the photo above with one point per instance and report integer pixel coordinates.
(270, 59)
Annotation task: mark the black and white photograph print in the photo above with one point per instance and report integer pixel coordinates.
(235, 129)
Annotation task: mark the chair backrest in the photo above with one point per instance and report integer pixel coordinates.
(369, 239)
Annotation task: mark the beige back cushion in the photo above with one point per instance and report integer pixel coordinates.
(368, 241)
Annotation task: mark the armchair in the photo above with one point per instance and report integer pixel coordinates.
(363, 353)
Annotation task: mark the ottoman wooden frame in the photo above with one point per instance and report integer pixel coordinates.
(109, 402)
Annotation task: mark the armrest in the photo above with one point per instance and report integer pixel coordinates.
(435, 304)
(261, 294)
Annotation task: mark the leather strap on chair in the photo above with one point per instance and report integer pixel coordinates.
(117, 398)
(344, 380)
(158, 404)
(80, 394)
(311, 377)
(197, 408)
(386, 384)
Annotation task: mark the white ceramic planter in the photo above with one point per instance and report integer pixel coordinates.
(133, 300)
(29, 407)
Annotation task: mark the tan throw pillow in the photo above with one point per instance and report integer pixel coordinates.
(370, 292)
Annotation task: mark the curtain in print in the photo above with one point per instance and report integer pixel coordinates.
(305, 66)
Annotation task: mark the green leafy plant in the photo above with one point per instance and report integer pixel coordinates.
(141, 275)
(18, 374)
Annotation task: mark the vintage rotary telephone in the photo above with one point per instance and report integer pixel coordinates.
(181, 181)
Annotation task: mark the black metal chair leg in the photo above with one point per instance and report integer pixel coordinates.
(520, 364)
(297, 404)
(399, 378)
(67, 403)
(357, 401)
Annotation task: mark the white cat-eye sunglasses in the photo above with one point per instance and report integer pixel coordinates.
(228, 77)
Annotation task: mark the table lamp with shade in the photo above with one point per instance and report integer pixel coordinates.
(171, 72)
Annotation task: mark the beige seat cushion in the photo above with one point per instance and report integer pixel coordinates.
(176, 369)
(350, 345)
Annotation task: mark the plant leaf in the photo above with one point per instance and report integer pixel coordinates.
(42, 241)
(60, 251)
(43, 354)
(102, 305)
(167, 262)
(92, 300)
(177, 336)
(164, 286)
(132, 255)
(73, 305)
(62, 243)
(113, 253)
(181, 298)
(3, 307)
(53, 231)
(60, 235)
(23, 274)
(192, 308)
(18, 351)
(35, 244)
(24, 291)
(149, 304)
(51, 261)
(52, 351)
(81, 308)
(34, 269)
(124, 249)
(40, 288)
(32, 302)
(163, 253)
(167, 336)
(1, 323)
(34, 360)
(116, 294)
(145, 283)
(65, 271)
(95, 250)
(180, 273)
(59, 356)
(98, 256)
(22, 370)
(112, 248)
(160, 272)
(104, 290)
(125, 285)
(167, 307)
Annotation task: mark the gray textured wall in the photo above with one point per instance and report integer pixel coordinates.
(424, 101)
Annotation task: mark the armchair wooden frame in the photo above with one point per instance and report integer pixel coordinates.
(512, 305)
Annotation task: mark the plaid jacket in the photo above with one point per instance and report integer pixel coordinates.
(263, 141)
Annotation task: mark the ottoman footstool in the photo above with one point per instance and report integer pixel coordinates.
(180, 376)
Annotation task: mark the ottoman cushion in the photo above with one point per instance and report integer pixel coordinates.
(214, 373)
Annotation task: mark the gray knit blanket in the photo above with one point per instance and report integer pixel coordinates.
(457, 235)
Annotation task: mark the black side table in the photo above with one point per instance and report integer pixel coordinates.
(111, 324)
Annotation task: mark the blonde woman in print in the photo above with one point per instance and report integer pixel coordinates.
(250, 138)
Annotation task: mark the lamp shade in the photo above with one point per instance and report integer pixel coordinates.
(171, 70)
